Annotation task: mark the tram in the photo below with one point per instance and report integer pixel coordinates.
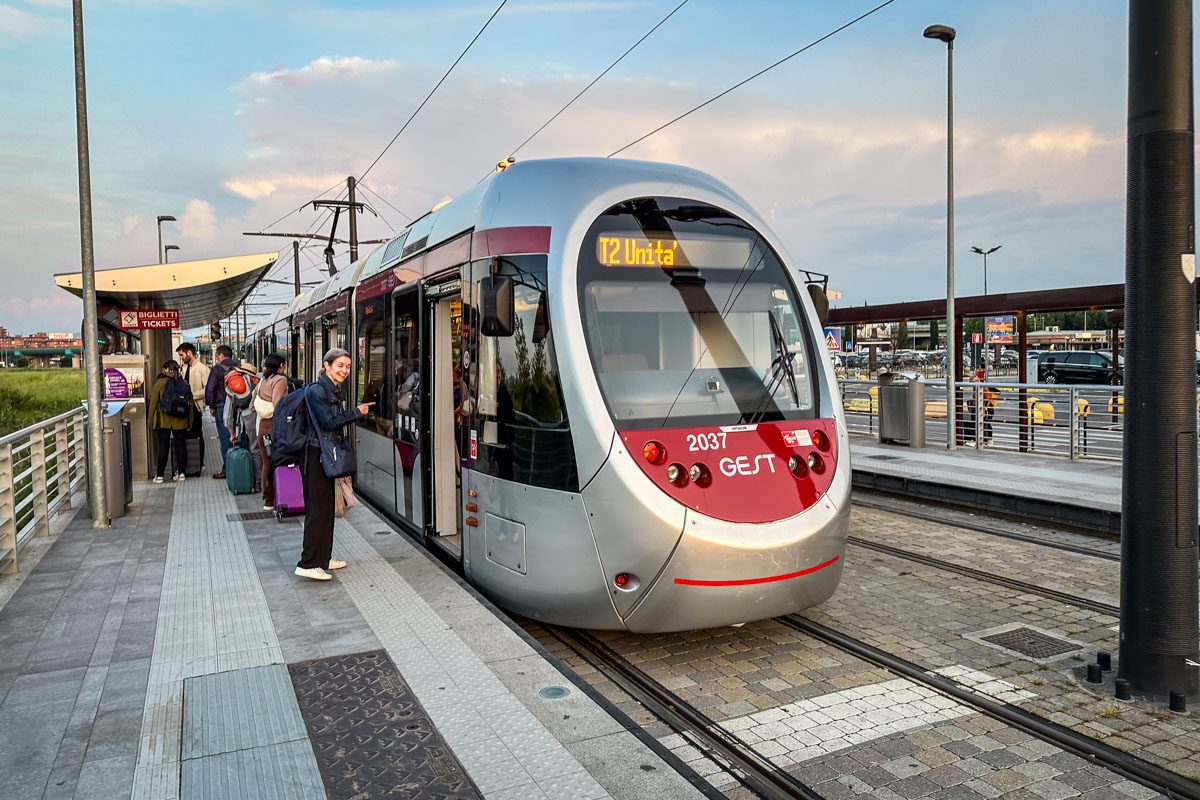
(600, 385)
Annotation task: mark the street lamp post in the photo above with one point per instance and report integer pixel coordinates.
(161, 219)
(944, 33)
(985, 254)
(166, 250)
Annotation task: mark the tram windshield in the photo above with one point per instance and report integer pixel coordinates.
(691, 319)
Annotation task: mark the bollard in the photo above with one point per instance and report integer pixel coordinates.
(1178, 702)
(1123, 692)
(1095, 674)
(1104, 659)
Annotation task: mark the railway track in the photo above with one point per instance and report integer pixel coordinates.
(1096, 752)
(988, 577)
(992, 531)
(750, 769)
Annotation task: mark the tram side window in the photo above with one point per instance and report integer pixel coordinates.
(406, 364)
(373, 378)
(518, 417)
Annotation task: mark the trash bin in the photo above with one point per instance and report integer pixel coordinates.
(116, 465)
(902, 408)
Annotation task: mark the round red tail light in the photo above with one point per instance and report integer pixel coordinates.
(677, 475)
(797, 466)
(820, 440)
(654, 452)
(621, 580)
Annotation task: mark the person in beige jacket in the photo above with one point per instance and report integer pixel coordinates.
(195, 372)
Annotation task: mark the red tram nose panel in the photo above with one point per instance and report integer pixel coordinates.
(740, 473)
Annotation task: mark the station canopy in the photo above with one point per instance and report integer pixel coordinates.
(202, 291)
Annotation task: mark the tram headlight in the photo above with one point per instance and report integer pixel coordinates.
(654, 452)
(677, 475)
(700, 475)
(816, 463)
(797, 466)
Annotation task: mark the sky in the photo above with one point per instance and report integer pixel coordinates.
(231, 115)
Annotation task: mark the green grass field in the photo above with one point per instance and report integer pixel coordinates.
(28, 396)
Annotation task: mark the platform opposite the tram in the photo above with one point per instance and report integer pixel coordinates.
(1040, 488)
(177, 656)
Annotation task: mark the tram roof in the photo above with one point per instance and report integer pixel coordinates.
(201, 291)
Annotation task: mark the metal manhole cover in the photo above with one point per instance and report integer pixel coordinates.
(885, 458)
(554, 692)
(370, 735)
(1031, 643)
(249, 516)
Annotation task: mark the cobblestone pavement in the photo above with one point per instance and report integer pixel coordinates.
(849, 729)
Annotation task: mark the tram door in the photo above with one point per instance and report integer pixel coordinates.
(445, 320)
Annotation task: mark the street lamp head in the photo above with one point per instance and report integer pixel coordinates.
(943, 33)
(171, 247)
(166, 218)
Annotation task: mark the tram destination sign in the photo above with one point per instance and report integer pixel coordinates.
(149, 318)
(665, 252)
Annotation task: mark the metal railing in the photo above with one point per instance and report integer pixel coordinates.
(1074, 422)
(40, 468)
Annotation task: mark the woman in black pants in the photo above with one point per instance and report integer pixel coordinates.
(170, 431)
(329, 418)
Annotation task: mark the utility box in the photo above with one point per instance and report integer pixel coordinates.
(902, 408)
(117, 478)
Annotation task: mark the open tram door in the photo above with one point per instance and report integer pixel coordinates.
(443, 315)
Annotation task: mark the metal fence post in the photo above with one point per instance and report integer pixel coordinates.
(37, 465)
(62, 462)
(8, 514)
(1072, 418)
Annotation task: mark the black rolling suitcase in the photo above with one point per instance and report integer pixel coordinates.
(195, 457)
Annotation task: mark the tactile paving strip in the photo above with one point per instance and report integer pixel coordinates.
(371, 736)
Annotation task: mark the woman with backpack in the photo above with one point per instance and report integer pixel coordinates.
(270, 390)
(171, 410)
(327, 457)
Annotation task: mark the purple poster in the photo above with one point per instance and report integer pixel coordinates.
(116, 387)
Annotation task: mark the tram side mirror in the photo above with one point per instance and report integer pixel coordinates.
(541, 325)
(496, 305)
(820, 302)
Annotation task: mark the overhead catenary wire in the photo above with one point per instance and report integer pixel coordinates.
(761, 72)
(384, 200)
(434, 89)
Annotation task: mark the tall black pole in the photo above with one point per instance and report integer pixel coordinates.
(350, 186)
(1158, 495)
(91, 334)
(296, 264)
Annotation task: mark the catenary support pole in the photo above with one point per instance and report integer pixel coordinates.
(351, 185)
(296, 264)
(91, 335)
(1159, 647)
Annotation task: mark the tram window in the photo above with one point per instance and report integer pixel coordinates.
(712, 335)
(373, 378)
(406, 365)
(518, 415)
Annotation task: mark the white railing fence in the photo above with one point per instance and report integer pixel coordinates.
(1075, 422)
(40, 468)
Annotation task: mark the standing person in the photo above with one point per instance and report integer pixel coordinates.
(195, 374)
(214, 398)
(328, 418)
(270, 391)
(171, 419)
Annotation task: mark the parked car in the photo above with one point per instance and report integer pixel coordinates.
(1078, 366)
(1009, 358)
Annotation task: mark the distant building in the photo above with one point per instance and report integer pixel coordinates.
(39, 349)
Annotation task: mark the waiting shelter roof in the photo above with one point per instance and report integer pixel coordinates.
(201, 291)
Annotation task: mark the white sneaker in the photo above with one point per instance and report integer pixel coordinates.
(158, 479)
(181, 477)
(336, 564)
(268, 508)
(316, 573)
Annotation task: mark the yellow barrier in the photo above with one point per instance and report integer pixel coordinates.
(1116, 405)
(1040, 412)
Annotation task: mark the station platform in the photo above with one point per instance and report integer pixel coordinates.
(1083, 493)
(177, 656)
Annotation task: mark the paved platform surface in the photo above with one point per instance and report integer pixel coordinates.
(1085, 484)
(177, 656)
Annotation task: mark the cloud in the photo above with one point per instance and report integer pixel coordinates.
(250, 189)
(1057, 142)
(321, 70)
(16, 22)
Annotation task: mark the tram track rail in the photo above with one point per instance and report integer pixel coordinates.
(747, 767)
(988, 577)
(1094, 751)
(992, 531)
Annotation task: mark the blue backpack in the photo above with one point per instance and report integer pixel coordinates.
(289, 428)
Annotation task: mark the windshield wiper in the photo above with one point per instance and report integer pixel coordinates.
(781, 371)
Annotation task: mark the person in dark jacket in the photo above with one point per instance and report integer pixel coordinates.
(168, 430)
(214, 398)
(329, 418)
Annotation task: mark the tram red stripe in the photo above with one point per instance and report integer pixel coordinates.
(511, 241)
(749, 581)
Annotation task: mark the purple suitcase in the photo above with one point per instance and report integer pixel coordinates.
(289, 491)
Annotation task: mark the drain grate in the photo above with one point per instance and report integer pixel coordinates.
(371, 736)
(1031, 643)
(249, 516)
(884, 458)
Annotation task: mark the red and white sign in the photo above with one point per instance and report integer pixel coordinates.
(146, 318)
(976, 338)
